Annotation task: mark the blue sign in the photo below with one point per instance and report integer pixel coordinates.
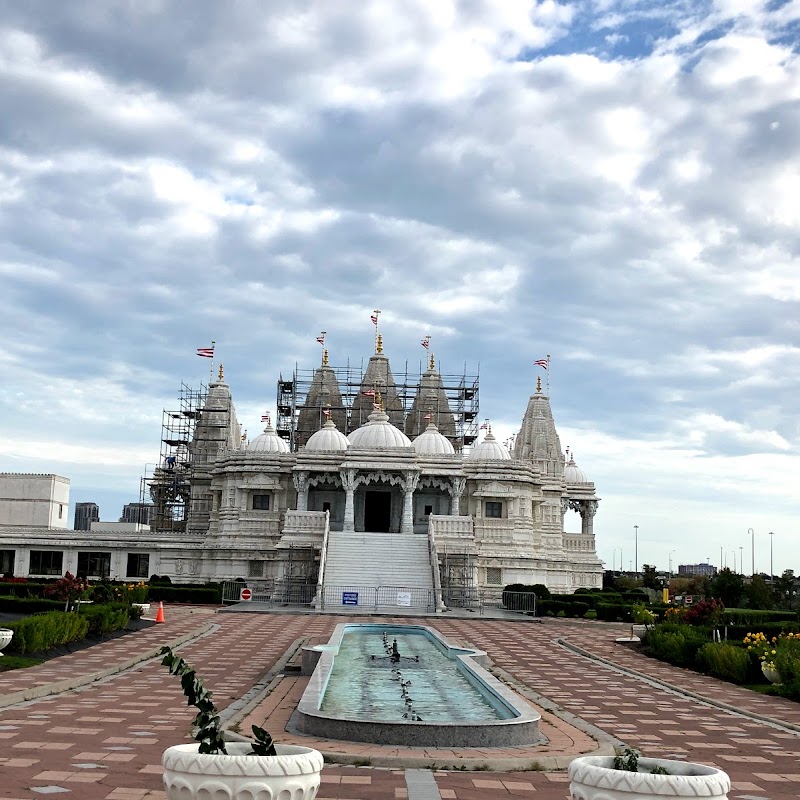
(349, 598)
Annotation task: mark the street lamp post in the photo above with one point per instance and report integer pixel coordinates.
(771, 573)
(670, 564)
(636, 546)
(753, 545)
(741, 559)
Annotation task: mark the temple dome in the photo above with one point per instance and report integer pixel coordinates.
(268, 442)
(573, 473)
(328, 437)
(378, 433)
(432, 443)
(489, 450)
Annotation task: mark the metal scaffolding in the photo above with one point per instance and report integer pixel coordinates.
(168, 484)
(461, 391)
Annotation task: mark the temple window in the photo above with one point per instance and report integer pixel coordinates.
(261, 502)
(494, 509)
(494, 576)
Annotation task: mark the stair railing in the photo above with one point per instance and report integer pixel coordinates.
(319, 600)
(434, 559)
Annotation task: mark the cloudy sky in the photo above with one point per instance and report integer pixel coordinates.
(613, 182)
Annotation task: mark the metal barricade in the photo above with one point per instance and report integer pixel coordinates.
(259, 591)
(406, 597)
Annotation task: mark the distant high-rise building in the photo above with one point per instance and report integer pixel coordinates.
(85, 515)
(137, 512)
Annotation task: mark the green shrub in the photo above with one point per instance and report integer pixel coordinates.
(43, 631)
(676, 644)
(590, 614)
(726, 661)
(105, 618)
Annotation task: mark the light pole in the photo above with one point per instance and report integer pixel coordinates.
(753, 545)
(670, 563)
(771, 573)
(741, 559)
(733, 552)
(636, 546)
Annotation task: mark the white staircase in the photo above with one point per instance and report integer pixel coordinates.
(384, 569)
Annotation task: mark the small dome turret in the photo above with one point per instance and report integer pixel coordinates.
(328, 437)
(573, 473)
(268, 442)
(489, 450)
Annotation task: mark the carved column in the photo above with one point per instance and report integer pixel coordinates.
(588, 510)
(409, 484)
(348, 477)
(457, 486)
(301, 486)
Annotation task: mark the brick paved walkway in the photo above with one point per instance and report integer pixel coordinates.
(104, 741)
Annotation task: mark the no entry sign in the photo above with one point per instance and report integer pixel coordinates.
(246, 594)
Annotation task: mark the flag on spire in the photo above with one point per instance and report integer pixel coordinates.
(426, 342)
(321, 338)
(427, 417)
(326, 412)
(542, 362)
(206, 352)
(265, 417)
(374, 317)
(376, 406)
(484, 426)
(369, 393)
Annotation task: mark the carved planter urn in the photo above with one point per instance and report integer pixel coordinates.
(293, 773)
(594, 778)
(6, 635)
(770, 673)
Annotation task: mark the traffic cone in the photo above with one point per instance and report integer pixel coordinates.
(160, 614)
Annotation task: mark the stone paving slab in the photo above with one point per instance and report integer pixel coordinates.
(105, 740)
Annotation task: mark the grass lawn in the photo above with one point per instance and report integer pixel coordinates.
(18, 662)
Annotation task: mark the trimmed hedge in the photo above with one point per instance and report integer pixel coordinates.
(44, 631)
(569, 607)
(19, 589)
(29, 605)
(756, 617)
(211, 594)
(613, 612)
(769, 629)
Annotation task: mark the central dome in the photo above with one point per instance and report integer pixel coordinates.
(378, 433)
(432, 443)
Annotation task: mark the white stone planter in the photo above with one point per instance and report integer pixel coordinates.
(770, 673)
(6, 635)
(145, 607)
(188, 775)
(594, 778)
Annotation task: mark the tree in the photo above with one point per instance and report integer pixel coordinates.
(649, 578)
(758, 593)
(728, 586)
(784, 587)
